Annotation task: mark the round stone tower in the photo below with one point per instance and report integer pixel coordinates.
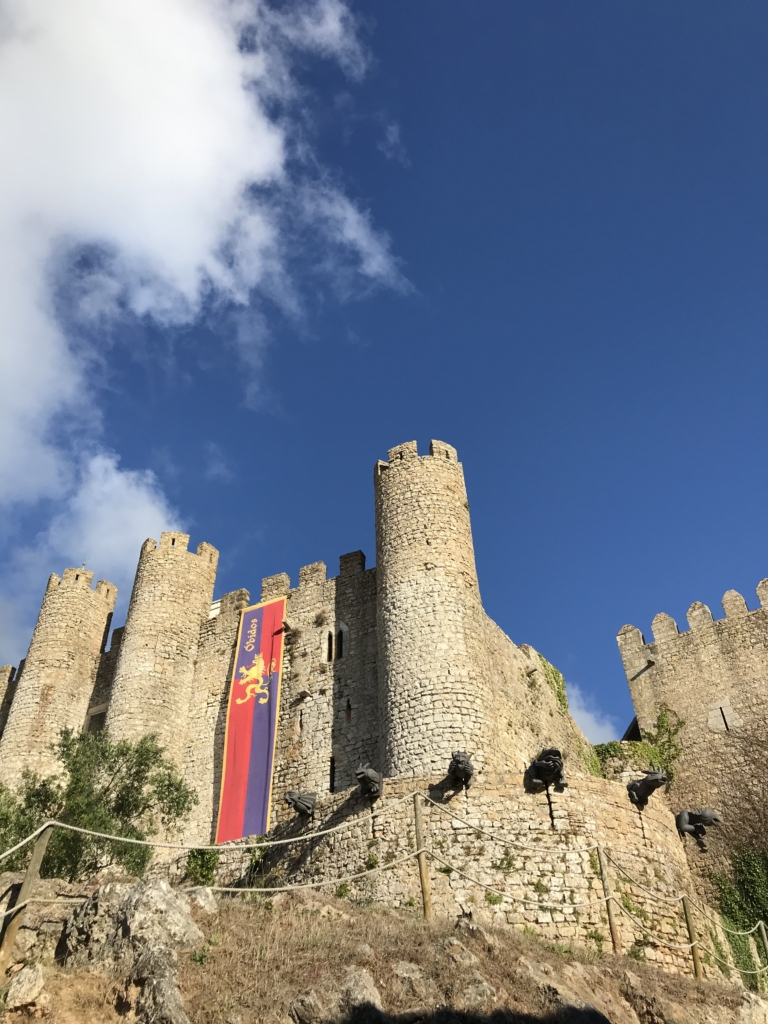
(54, 688)
(171, 599)
(433, 693)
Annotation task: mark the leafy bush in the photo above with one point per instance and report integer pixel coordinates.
(123, 788)
(201, 867)
(556, 683)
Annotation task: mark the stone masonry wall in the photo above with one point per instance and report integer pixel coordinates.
(328, 723)
(8, 681)
(203, 754)
(714, 676)
(153, 684)
(54, 690)
(434, 695)
(508, 840)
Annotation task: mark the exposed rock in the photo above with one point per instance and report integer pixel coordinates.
(25, 987)
(459, 953)
(416, 982)
(364, 953)
(478, 994)
(135, 931)
(359, 989)
(202, 898)
(120, 921)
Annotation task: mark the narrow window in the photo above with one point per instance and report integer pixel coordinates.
(333, 775)
(173, 542)
(340, 644)
(301, 720)
(349, 712)
(77, 576)
(330, 647)
(725, 720)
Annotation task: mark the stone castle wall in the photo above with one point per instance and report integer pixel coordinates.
(154, 674)
(537, 855)
(54, 690)
(397, 667)
(715, 677)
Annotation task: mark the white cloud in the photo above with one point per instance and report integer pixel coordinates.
(392, 145)
(216, 465)
(107, 516)
(153, 160)
(596, 726)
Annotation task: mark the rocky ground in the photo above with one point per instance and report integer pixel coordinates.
(141, 952)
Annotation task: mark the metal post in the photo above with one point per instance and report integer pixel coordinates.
(426, 895)
(693, 938)
(32, 875)
(613, 924)
(764, 937)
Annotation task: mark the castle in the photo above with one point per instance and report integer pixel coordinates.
(396, 666)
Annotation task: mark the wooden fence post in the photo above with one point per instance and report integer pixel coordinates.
(31, 876)
(693, 938)
(613, 924)
(764, 938)
(426, 894)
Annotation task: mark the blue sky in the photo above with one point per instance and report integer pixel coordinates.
(251, 247)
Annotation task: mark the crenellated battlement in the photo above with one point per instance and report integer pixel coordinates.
(712, 676)
(81, 579)
(172, 542)
(408, 452)
(699, 617)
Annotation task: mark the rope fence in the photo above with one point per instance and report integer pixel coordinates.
(42, 835)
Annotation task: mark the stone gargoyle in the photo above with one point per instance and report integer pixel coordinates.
(369, 780)
(696, 822)
(461, 769)
(547, 770)
(304, 803)
(641, 789)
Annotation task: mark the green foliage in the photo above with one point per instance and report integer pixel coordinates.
(506, 864)
(123, 788)
(446, 869)
(664, 739)
(722, 962)
(639, 753)
(659, 747)
(556, 683)
(201, 867)
(594, 862)
(494, 898)
(342, 892)
(589, 759)
(743, 900)
(372, 862)
(632, 907)
(540, 888)
(597, 937)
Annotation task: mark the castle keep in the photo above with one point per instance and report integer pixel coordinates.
(398, 666)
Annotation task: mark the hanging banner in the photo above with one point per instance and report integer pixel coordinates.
(249, 742)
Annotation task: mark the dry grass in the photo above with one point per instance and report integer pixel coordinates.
(76, 997)
(257, 960)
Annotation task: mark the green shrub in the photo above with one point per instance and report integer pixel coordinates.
(494, 898)
(123, 788)
(556, 683)
(201, 867)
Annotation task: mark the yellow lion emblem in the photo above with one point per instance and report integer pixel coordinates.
(255, 680)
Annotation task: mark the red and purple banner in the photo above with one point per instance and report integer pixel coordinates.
(249, 744)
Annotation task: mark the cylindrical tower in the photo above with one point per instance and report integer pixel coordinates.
(55, 687)
(171, 598)
(433, 692)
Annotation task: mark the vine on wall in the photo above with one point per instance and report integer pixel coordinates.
(556, 684)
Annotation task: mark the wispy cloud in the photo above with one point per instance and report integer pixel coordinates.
(216, 466)
(595, 724)
(391, 145)
(155, 166)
